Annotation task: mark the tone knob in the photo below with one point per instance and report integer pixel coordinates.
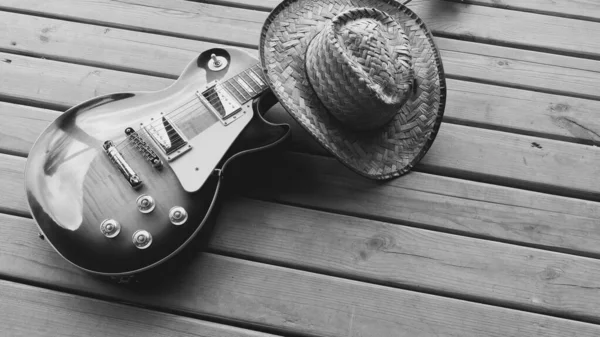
(142, 239)
(145, 203)
(178, 215)
(110, 228)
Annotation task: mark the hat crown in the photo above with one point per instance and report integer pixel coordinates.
(360, 67)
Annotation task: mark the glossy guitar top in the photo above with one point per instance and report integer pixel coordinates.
(82, 174)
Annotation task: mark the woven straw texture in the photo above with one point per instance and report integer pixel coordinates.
(360, 67)
(380, 152)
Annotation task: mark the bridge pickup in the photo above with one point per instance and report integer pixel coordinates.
(218, 101)
(113, 154)
(168, 137)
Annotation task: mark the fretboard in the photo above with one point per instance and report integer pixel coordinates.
(246, 85)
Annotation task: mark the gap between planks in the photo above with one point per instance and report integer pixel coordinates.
(33, 311)
(234, 290)
(573, 9)
(506, 28)
(549, 116)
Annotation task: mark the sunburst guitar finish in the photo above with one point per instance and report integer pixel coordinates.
(122, 182)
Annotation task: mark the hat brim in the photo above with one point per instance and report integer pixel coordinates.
(388, 152)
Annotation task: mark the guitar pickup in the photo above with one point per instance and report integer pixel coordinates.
(220, 103)
(169, 138)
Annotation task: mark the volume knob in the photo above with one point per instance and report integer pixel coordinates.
(142, 239)
(145, 203)
(178, 215)
(110, 228)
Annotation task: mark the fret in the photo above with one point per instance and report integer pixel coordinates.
(245, 85)
(248, 79)
(233, 91)
(257, 77)
(241, 90)
(240, 80)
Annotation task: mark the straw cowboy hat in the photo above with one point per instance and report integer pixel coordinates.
(363, 77)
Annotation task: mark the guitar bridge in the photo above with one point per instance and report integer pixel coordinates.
(220, 103)
(128, 173)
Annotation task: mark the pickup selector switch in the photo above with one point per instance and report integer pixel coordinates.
(145, 203)
(178, 215)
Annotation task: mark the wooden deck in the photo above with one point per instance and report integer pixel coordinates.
(495, 233)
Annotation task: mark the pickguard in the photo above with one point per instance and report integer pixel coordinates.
(207, 150)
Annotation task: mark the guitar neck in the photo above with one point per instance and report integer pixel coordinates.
(246, 85)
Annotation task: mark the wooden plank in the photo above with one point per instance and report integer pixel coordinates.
(146, 53)
(501, 158)
(479, 270)
(467, 260)
(13, 200)
(239, 26)
(30, 311)
(280, 299)
(61, 85)
(526, 112)
(459, 151)
(173, 17)
(104, 47)
(419, 199)
(433, 202)
(576, 9)
(21, 125)
(532, 113)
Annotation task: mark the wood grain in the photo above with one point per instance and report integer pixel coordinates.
(21, 125)
(281, 299)
(433, 202)
(417, 259)
(13, 195)
(240, 26)
(495, 25)
(30, 311)
(145, 53)
(501, 158)
(419, 199)
(580, 9)
(64, 85)
(533, 113)
(459, 151)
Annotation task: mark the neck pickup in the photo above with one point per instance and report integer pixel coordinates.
(218, 101)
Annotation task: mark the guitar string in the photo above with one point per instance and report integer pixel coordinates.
(169, 129)
(219, 88)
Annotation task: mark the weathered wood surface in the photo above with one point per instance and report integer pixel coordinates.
(470, 103)
(453, 265)
(145, 53)
(234, 25)
(281, 299)
(497, 157)
(441, 251)
(579, 9)
(30, 311)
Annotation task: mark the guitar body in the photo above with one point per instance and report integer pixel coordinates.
(80, 197)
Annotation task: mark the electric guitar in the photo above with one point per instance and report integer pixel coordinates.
(122, 182)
